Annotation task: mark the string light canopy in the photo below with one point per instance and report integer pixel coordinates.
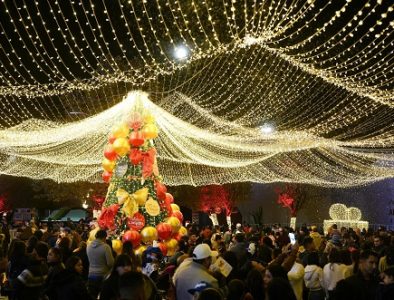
(321, 71)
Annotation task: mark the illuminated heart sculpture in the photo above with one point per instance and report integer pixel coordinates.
(342, 212)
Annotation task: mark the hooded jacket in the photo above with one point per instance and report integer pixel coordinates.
(313, 277)
(100, 258)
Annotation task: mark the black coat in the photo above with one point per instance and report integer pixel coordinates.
(68, 285)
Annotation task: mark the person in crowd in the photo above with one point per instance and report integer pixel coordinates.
(237, 290)
(82, 254)
(282, 238)
(17, 262)
(364, 283)
(296, 279)
(195, 272)
(385, 291)
(109, 290)
(280, 289)
(100, 262)
(265, 250)
(210, 294)
(309, 246)
(387, 261)
(55, 264)
(334, 271)
(68, 283)
(131, 286)
(240, 249)
(30, 283)
(64, 245)
(313, 277)
(378, 245)
(315, 235)
(255, 285)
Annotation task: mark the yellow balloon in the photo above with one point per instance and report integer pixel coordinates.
(120, 131)
(140, 196)
(121, 146)
(150, 131)
(117, 246)
(171, 246)
(175, 207)
(175, 224)
(183, 231)
(108, 165)
(149, 234)
(140, 250)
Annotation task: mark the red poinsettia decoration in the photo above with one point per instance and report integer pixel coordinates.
(107, 217)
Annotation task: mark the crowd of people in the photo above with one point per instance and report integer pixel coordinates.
(77, 261)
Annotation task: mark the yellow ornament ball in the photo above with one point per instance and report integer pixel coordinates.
(175, 207)
(149, 234)
(150, 131)
(140, 250)
(171, 246)
(183, 231)
(108, 165)
(175, 224)
(117, 246)
(120, 131)
(121, 146)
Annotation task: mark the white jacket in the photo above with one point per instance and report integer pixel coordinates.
(332, 273)
(313, 277)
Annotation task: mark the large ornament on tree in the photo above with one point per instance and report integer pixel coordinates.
(132, 236)
(121, 146)
(149, 234)
(164, 231)
(136, 139)
(120, 131)
(137, 222)
(175, 224)
(108, 165)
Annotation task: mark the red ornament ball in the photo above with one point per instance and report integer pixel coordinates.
(177, 214)
(132, 236)
(164, 230)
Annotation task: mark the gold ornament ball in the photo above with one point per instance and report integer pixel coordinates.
(149, 234)
(175, 224)
(117, 246)
(120, 131)
(183, 231)
(121, 146)
(140, 250)
(150, 131)
(175, 207)
(108, 165)
(171, 246)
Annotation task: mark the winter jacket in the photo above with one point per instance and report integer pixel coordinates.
(313, 277)
(68, 285)
(100, 258)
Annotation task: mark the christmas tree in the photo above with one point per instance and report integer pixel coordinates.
(137, 206)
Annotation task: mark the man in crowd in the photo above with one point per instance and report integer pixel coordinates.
(196, 271)
(100, 262)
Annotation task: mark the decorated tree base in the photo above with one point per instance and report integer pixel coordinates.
(137, 207)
